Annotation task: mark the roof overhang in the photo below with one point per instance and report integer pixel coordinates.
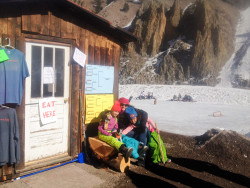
(97, 21)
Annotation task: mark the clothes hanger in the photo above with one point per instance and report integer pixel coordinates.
(8, 46)
(2, 106)
(1, 42)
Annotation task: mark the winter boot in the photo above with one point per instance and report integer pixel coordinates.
(141, 161)
(142, 149)
(168, 160)
(126, 152)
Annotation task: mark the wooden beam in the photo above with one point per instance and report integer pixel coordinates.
(116, 62)
(75, 134)
(20, 44)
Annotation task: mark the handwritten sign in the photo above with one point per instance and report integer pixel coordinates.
(47, 110)
(79, 57)
(48, 75)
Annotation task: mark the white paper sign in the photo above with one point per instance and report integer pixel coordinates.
(48, 75)
(79, 57)
(47, 110)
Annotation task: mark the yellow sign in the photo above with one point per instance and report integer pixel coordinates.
(95, 104)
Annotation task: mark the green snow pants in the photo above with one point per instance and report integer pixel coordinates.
(155, 150)
(110, 140)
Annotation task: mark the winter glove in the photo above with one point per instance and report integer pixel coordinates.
(117, 135)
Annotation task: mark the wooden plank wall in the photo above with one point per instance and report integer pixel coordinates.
(100, 50)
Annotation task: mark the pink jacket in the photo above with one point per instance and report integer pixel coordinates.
(150, 125)
(112, 126)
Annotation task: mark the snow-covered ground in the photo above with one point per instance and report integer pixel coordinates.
(195, 118)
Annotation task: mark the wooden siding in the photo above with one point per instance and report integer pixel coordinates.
(56, 27)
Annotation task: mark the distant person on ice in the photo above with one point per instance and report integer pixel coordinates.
(107, 131)
(142, 95)
(150, 95)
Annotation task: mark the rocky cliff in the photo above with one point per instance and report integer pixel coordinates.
(180, 41)
(187, 43)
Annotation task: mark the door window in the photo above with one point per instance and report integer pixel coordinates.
(42, 57)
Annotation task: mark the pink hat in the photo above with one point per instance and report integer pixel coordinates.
(116, 107)
(124, 100)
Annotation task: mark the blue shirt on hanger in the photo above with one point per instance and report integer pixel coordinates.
(12, 75)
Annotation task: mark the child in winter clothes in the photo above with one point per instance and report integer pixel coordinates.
(107, 131)
(137, 130)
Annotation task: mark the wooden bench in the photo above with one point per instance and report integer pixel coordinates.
(108, 154)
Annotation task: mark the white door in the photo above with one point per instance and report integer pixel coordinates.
(51, 139)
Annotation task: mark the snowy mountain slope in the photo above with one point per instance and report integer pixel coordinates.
(239, 63)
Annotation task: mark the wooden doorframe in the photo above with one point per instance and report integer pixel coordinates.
(21, 45)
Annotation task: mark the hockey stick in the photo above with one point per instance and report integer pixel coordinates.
(160, 144)
(83, 128)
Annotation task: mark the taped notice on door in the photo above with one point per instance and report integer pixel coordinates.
(48, 75)
(47, 110)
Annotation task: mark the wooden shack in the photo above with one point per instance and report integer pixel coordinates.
(47, 32)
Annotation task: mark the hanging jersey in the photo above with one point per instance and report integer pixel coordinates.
(12, 75)
(9, 137)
